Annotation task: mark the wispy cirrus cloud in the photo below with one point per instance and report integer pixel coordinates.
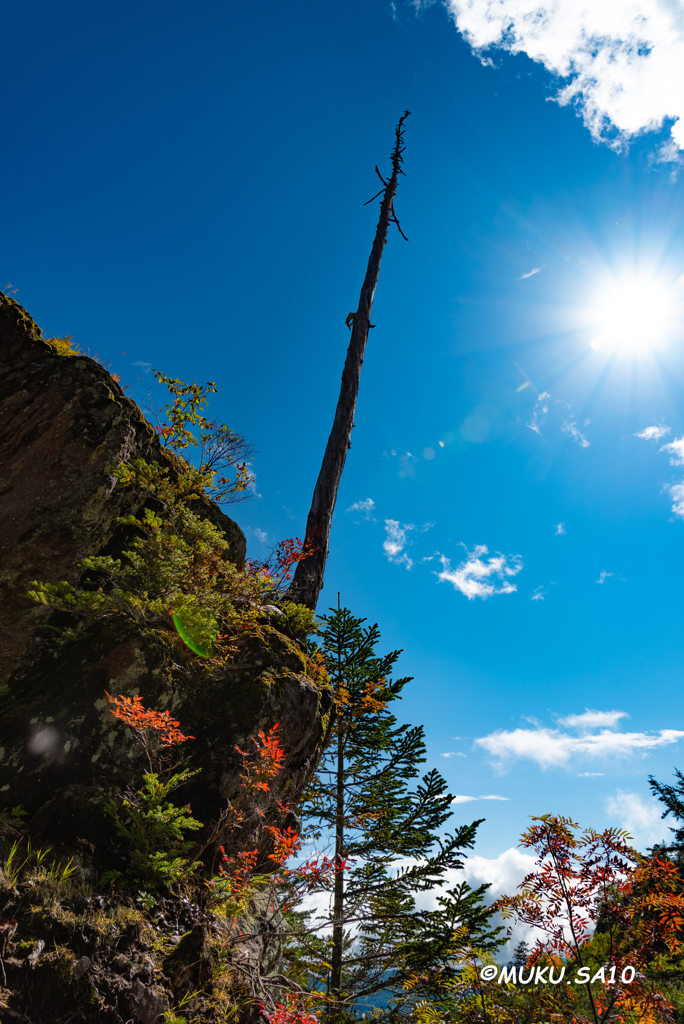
(569, 424)
(467, 799)
(570, 429)
(555, 748)
(539, 412)
(451, 753)
(364, 507)
(530, 273)
(478, 576)
(619, 61)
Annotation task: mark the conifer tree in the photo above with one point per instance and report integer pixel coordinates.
(385, 825)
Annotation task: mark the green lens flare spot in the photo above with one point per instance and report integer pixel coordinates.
(197, 628)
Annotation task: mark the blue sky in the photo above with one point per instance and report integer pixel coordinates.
(183, 189)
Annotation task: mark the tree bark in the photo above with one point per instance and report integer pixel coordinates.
(338, 900)
(308, 577)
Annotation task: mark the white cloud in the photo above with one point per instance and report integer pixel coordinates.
(590, 775)
(552, 748)
(396, 541)
(251, 484)
(475, 577)
(530, 273)
(503, 874)
(365, 507)
(539, 412)
(642, 818)
(603, 576)
(538, 595)
(570, 429)
(622, 60)
(468, 799)
(653, 433)
(677, 494)
(260, 535)
(676, 450)
(147, 367)
(593, 719)
(452, 754)
(406, 462)
(560, 530)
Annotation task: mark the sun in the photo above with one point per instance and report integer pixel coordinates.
(635, 313)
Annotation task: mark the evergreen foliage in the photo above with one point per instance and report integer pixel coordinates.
(386, 825)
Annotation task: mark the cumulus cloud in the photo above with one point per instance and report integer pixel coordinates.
(642, 818)
(530, 273)
(538, 595)
(593, 719)
(260, 535)
(603, 576)
(560, 530)
(396, 541)
(364, 507)
(475, 577)
(676, 492)
(653, 433)
(554, 748)
(539, 412)
(503, 874)
(676, 450)
(621, 61)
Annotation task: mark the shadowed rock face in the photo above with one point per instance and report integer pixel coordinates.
(64, 425)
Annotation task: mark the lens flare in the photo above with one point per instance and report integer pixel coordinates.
(197, 628)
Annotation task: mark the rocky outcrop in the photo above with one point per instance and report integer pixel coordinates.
(65, 425)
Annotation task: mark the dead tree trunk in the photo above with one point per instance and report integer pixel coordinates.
(308, 578)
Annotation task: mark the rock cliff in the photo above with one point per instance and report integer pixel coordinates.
(65, 427)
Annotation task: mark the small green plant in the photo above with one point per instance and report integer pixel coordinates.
(23, 859)
(12, 820)
(155, 830)
(153, 826)
(64, 346)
